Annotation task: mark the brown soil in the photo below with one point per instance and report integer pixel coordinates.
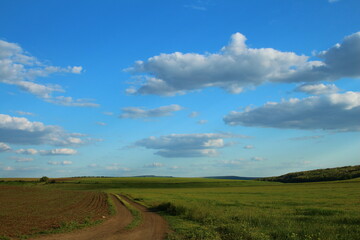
(28, 210)
(153, 227)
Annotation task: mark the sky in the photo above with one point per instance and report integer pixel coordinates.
(185, 88)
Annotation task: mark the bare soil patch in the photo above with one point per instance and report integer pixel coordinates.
(30, 210)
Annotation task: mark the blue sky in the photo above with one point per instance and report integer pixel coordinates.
(180, 88)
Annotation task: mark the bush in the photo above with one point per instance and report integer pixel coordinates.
(44, 179)
(172, 209)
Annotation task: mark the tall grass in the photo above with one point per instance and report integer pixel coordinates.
(312, 211)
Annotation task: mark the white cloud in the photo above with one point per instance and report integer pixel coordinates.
(258, 159)
(154, 165)
(236, 67)
(196, 7)
(76, 69)
(101, 123)
(59, 151)
(108, 113)
(318, 89)
(29, 151)
(174, 167)
(137, 112)
(59, 162)
(19, 130)
(248, 147)
(116, 167)
(20, 69)
(69, 101)
(194, 114)
(25, 113)
(187, 145)
(232, 163)
(22, 159)
(306, 138)
(8, 168)
(339, 112)
(4, 147)
(202, 122)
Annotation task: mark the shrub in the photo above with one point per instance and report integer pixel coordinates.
(172, 209)
(44, 179)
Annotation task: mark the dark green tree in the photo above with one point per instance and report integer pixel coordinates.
(44, 179)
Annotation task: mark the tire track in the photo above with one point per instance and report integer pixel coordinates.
(152, 227)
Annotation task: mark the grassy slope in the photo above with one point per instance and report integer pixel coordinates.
(328, 174)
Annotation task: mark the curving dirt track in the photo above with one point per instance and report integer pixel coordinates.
(153, 226)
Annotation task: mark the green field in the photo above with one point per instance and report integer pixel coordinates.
(249, 210)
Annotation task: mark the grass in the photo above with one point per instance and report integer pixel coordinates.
(321, 211)
(137, 217)
(112, 209)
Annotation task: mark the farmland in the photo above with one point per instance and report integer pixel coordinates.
(28, 210)
(213, 209)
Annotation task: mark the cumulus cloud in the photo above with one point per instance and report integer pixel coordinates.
(4, 147)
(20, 69)
(138, 112)
(58, 151)
(59, 162)
(337, 111)
(187, 145)
(237, 66)
(19, 130)
(318, 89)
(29, 151)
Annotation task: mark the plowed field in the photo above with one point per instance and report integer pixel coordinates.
(32, 210)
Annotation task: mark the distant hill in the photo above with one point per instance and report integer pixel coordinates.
(318, 175)
(232, 177)
(153, 176)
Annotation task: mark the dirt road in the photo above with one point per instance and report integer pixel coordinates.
(153, 226)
